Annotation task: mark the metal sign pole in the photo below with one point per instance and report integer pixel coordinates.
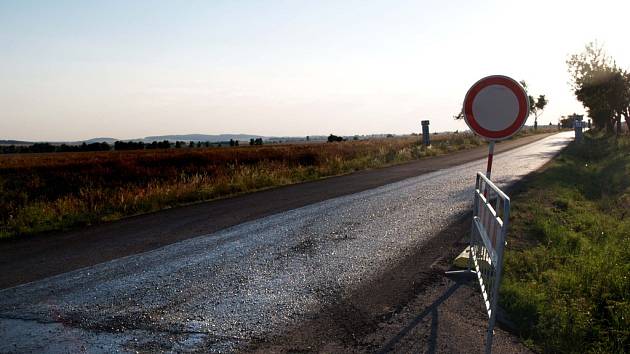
(489, 166)
(490, 155)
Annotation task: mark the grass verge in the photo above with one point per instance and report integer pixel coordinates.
(567, 265)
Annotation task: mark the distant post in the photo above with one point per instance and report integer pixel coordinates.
(426, 138)
(578, 124)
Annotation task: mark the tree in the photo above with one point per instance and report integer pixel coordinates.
(333, 138)
(42, 147)
(566, 122)
(536, 105)
(601, 86)
(129, 145)
(620, 97)
(540, 105)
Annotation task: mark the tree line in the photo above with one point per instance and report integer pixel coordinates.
(116, 146)
(47, 147)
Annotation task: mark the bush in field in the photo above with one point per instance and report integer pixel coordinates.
(333, 138)
(257, 141)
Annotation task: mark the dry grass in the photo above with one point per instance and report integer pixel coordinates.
(45, 192)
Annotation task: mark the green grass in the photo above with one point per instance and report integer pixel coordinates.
(567, 265)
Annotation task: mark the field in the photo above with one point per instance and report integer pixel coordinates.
(567, 266)
(47, 192)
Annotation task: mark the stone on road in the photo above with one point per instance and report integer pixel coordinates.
(219, 292)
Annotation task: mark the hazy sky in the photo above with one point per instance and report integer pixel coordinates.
(74, 70)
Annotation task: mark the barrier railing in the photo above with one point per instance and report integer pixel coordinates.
(491, 211)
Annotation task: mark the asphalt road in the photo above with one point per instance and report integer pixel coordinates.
(26, 259)
(252, 281)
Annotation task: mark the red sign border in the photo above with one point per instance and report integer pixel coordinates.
(523, 105)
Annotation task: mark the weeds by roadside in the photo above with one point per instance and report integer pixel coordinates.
(567, 266)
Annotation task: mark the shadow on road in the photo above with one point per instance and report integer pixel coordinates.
(404, 341)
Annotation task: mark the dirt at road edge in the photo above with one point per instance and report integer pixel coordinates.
(410, 307)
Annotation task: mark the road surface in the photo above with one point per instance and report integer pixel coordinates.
(253, 281)
(26, 259)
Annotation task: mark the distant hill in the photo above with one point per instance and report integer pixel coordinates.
(200, 137)
(99, 140)
(148, 139)
(15, 142)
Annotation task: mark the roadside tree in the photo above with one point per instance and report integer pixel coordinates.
(601, 86)
(536, 105)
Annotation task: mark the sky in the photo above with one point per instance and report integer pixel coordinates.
(73, 70)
